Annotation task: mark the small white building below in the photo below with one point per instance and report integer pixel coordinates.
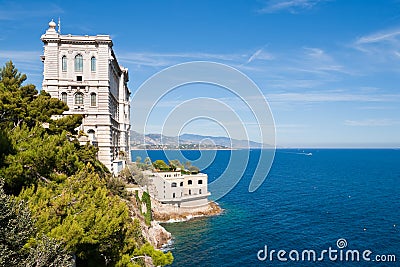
(177, 189)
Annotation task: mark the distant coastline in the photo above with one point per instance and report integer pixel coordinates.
(188, 149)
(189, 142)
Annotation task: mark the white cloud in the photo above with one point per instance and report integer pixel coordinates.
(383, 45)
(292, 6)
(371, 122)
(378, 37)
(260, 54)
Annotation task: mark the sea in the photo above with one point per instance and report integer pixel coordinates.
(341, 205)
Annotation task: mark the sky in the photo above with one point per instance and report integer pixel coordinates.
(329, 70)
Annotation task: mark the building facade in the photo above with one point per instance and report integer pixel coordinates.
(177, 189)
(83, 71)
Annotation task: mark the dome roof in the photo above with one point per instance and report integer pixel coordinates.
(52, 24)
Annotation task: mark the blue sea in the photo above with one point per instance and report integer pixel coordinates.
(308, 202)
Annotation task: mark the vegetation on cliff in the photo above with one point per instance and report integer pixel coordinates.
(57, 200)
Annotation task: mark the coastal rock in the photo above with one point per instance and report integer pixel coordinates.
(155, 233)
(158, 236)
(168, 213)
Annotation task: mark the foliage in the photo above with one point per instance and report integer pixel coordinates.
(5, 146)
(191, 168)
(89, 222)
(160, 165)
(20, 103)
(17, 244)
(147, 161)
(39, 155)
(29, 152)
(159, 258)
(175, 164)
(15, 231)
(116, 186)
(14, 98)
(76, 205)
(194, 169)
(147, 215)
(48, 253)
(133, 174)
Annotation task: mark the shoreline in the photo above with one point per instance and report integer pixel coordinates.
(156, 234)
(159, 236)
(165, 215)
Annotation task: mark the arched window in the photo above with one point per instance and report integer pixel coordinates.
(93, 64)
(173, 185)
(64, 63)
(190, 182)
(78, 63)
(173, 195)
(78, 99)
(64, 97)
(93, 99)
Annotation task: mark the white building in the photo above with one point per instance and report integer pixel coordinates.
(83, 72)
(177, 189)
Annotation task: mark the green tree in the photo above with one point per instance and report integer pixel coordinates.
(175, 164)
(75, 205)
(147, 161)
(194, 169)
(22, 103)
(160, 165)
(159, 258)
(41, 156)
(18, 247)
(16, 227)
(14, 98)
(81, 214)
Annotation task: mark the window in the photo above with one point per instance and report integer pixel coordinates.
(93, 99)
(78, 63)
(200, 181)
(78, 99)
(64, 97)
(190, 192)
(93, 64)
(173, 195)
(173, 185)
(190, 182)
(199, 191)
(78, 78)
(92, 136)
(64, 63)
(181, 184)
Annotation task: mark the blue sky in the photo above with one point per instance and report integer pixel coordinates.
(328, 69)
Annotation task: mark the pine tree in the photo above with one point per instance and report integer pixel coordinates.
(82, 214)
(18, 246)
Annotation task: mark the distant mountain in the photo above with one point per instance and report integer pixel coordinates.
(221, 141)
(188, 141)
